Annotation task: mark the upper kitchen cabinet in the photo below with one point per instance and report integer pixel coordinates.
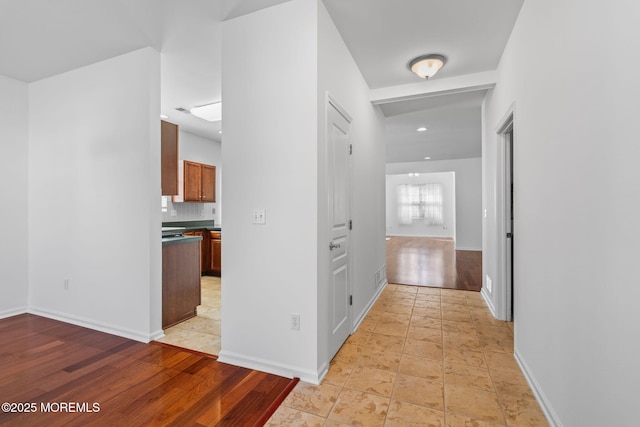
(169, 158)
(198, 183)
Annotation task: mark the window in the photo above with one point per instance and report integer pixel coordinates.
(422, 202)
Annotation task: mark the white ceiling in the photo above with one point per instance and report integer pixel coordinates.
(41, 38)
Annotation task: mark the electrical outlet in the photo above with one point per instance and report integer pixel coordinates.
(488, 282)
(295, 321)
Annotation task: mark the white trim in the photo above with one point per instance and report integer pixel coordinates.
(331, 101)
(483, 80)
(502, 292)
(464, 248)
(545, 404)
(368, 307)
(271, 367)
(13, 312)
(487, 300)
(97, 326)
(505, 124)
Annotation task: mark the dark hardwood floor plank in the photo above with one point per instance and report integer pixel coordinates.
(432, 262)
(134, 384)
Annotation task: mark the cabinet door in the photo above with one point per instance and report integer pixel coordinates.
(192, 182)
(169, 158)
(205, 250)
(180, 283)
(216, 256)
(208, 183)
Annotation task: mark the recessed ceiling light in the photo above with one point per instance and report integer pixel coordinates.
(422, 129)
(427, 158)
(219, 131)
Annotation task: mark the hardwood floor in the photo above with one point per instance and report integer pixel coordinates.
(432, 262)
(129, 383)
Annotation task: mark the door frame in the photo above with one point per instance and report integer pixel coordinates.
(330, 102)
(504, 286)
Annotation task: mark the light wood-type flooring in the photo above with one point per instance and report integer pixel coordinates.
(433, 262)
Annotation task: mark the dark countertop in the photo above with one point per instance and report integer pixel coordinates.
(180, 240)
(194, 225)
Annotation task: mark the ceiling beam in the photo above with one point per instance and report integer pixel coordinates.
(458, 84)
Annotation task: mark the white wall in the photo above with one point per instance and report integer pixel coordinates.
(576, 203)
(269, 69)
(94, 191)
(274, 159)
(14, 190)
(468, 173)
(418, 228)
(202, 150)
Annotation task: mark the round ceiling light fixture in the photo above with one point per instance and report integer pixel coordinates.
(427, 66)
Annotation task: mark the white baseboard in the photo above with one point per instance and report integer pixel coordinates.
(12, 312)
(289, 371)
(271, 367)
(552, 416)
(467, 248)
(366, 310)
(156, 335)
(487, 300)
(97, 326)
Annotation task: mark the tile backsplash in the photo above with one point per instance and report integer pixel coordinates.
(190, 212)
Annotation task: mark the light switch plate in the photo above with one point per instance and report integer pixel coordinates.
(259, 216)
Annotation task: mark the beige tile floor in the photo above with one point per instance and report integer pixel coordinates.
(201, 333)
(422, 357)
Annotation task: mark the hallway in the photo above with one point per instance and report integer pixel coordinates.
(434, 262)
(422, 357)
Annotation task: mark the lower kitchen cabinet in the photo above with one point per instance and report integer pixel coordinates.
(205, 256)
(216, 252)
(180, 282)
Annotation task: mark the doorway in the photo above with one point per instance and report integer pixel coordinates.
(506, 139)
(508, 142)
(338, 151)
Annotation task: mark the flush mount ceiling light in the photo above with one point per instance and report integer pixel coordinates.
(426, 66)
(209, 112)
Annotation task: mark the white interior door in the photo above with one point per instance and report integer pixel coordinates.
(338, 151)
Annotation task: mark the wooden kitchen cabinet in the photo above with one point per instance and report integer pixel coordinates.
(208, 183)
(205, 249)
(199, 183)
(180, 282)
(216, 252)
(169, 158)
